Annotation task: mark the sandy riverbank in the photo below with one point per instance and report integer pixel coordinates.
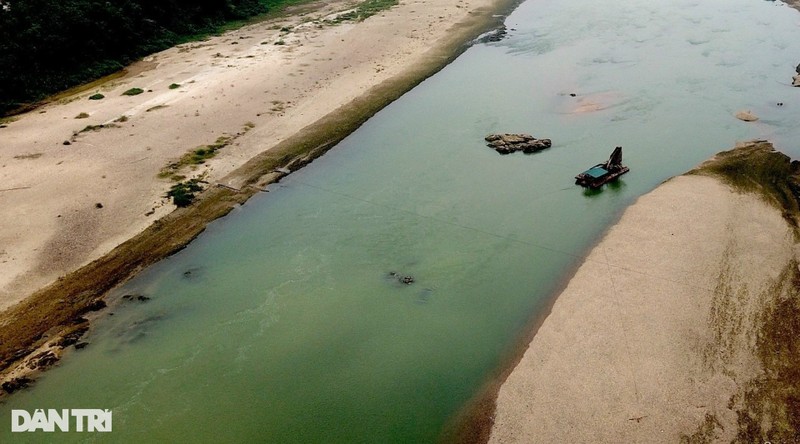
(280, 92)
(680, 325)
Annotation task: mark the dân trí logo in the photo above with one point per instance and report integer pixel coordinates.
(64, 420)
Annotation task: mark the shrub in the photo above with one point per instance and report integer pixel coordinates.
(183, 193)
(133, 92)
(97, 96)
(82, 116)
(175, 86)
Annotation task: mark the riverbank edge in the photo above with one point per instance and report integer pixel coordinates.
(733, 168)
(37, 330)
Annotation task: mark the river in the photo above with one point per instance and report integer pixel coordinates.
(283, 321)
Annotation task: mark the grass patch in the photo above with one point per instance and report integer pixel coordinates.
(82, 116)
(28, 156)
(770, 410)
(174, 85)
(97, 127)
(7, 120)
(184, 193)
(705, 433)
(97, 96)
(197, 156)
(758, 168)
(372, 7)
(133, 92)
(363, 11)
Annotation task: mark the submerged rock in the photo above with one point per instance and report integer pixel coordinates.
(494, 35)
(72, 337)
(15, 384)
(508, 143)
(95, 305)
(408, 280)
(42, 360)
(136, 297)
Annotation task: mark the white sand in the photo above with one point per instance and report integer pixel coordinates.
(657, 327)
(49, 224)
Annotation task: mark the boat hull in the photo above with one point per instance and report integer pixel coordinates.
(588, 181)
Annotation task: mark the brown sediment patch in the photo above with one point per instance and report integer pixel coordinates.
(589, 103)
(58, 306)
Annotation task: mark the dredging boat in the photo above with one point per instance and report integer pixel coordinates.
(602, 173)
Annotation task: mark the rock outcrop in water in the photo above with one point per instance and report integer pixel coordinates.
(408, 280)
(510, 143)
(746, 116)
(494, 36)
(15, 384)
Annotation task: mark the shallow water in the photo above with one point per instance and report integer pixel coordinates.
(282, 323)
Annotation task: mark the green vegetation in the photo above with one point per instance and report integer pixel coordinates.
(364, 10)
(82, 116)
(28, 156)
(705, 433)
(48, 46)
(7, 120)
(97, 96)
(133, 92)
(98, 127)
(197, 156)
(183, 193)
(372, 7)
(174, 86)
(769, 407)
(759, 169)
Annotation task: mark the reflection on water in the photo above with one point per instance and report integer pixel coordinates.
(282, 323)
(615, 186)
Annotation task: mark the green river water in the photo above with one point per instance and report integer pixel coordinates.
(282, 323)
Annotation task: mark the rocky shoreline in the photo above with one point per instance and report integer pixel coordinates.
(508, 143)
